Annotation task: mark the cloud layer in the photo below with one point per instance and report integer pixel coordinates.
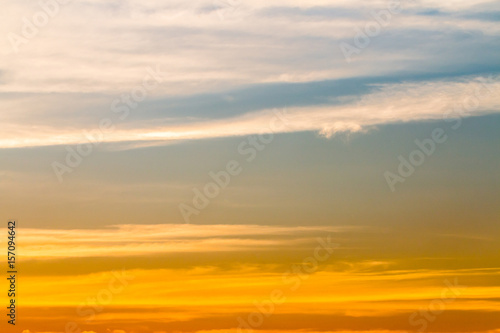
(224, 65)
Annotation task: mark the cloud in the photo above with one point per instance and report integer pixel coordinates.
(223, 70)
(169, 300)
(134, 240)
(269, 42)
(381, 104)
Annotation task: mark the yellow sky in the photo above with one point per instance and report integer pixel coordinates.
(318, 286)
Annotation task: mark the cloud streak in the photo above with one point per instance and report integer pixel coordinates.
(136, 240)
(386, 103)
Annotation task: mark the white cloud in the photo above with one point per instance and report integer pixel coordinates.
(97, 50)
(94, 47)
(390, 103)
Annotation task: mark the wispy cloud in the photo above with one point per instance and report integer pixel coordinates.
(134, 240)
(74, 70)
(385, 103)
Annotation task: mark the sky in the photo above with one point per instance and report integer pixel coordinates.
(252, 166)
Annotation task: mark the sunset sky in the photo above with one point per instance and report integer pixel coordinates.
(250, 166)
